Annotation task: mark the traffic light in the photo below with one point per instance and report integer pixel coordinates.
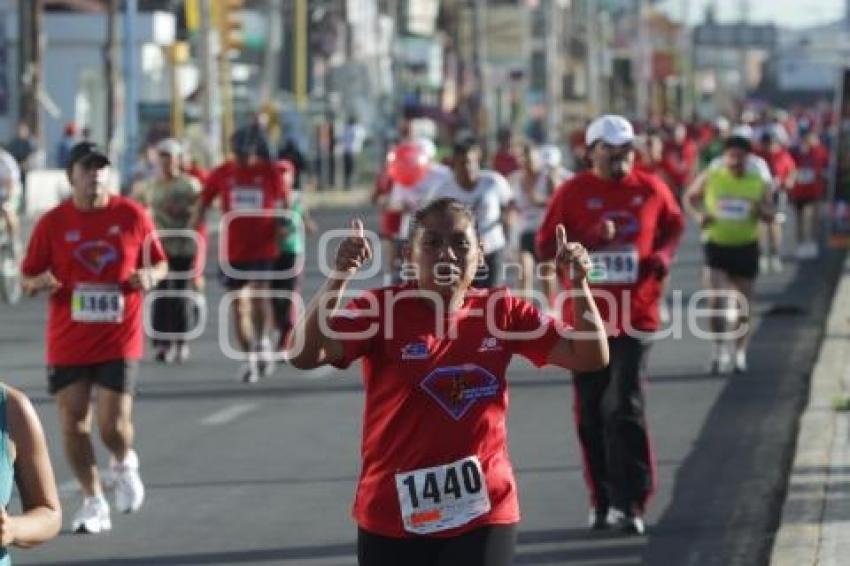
(192, 12)
(228, 20)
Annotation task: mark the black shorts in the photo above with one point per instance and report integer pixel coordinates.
(736, 261)
(117, 375)
(490, 545)
(238, 280)
(526, 243)
(800, 203)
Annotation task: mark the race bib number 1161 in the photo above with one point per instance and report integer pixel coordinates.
(442, 497)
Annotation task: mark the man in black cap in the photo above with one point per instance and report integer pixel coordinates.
(95, 254)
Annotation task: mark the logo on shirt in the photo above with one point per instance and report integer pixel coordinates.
(415, 351)
(458, 388)
(627, 223)
(72, 236)
(637, 200)
(96, 255)
(595, 204)
(490, 344)
(114, 230)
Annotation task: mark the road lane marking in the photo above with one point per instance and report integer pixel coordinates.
(229, 414)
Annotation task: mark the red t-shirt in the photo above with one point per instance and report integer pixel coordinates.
(505, 163)
(390, 219)
(649, 225)
(257, 190)
(93, 253)
(812, 164)
(781, 165)
(679, 162)
(432, 399)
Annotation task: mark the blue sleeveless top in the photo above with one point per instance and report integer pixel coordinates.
(7, 468)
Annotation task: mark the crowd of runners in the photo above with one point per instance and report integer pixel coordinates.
(585, 236)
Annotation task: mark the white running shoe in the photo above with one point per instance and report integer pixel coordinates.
(249, 372)
(182, 353)
(764, 264)
(628, 523)
(740, 361)
(93, 517)
(600, 519)
(776, 264)
(266, 356)
(129, 489)
(722, 361)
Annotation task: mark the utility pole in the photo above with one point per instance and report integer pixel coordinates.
(300, 67)
(591, 31)
(210, 103)
(644, 94)
(31, 63)
(479, 46)
(274, 45)
(686, 66)
(113, 81)
(131, 110)
(553, 39)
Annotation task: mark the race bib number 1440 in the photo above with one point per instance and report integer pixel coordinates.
(442, 497)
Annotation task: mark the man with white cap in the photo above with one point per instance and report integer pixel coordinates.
(171, 197)
(630, 222)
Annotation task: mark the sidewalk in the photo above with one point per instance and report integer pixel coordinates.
(337, 198)
(815, 527)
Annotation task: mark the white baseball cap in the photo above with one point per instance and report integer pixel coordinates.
(610, 128)
(169, 146)
(742, 131)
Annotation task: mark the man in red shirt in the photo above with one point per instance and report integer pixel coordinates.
(812, 162)
(680, 159)
(782, 167)
(95, 254)
(250, 190)
(631, 224)
(506, 159)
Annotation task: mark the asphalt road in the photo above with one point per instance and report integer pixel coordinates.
(265, 474)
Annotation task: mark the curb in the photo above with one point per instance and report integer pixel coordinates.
(354, 198)
(815, 525)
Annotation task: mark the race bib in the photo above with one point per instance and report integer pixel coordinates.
(246, 198)
(97, 303)
(734, 209)
(442, 497)
(614, 267)
(806, 176)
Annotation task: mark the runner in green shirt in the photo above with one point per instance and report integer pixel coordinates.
(728, 201)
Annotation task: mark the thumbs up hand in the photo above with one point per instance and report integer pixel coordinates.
(354, 251)
(572, 256)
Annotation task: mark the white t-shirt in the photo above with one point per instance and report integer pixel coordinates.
(531, 214)
(9, 171)
(413, 198)
(490, 195)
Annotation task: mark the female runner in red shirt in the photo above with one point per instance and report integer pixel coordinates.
(436, 485)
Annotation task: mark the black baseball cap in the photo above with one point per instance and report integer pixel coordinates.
(87, 154)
